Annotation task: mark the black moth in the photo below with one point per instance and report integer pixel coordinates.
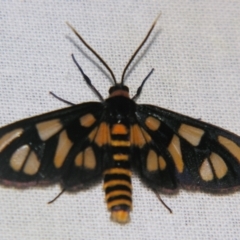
(79, 144)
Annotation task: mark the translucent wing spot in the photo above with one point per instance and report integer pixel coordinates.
(120, 216)
(32, 164)
(48, 128)
(152, 161)
(86, 159)
(146, 135)
(120, 129)
(79, 159)
(206, 171)
(215, 164)
(231, 146)
(152, 123)
(120, 157)
(92, 134)
(136, 136)
(219, 166)
(6, 139)
(89, 158)
(103, 135)
(175, 150)
(63, 147)
(118, 143)
(87, 120)
(162, 163)
(192, 134)
(18, 158)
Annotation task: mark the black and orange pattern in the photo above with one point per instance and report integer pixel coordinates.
(80, 144)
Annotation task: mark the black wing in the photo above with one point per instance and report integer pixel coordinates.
(184, 151)
(55, 146)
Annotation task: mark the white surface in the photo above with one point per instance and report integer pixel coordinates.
(195, 53)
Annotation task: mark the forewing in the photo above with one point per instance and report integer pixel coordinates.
(55, 146)
(195, 154)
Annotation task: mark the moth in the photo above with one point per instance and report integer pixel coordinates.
(109, 139)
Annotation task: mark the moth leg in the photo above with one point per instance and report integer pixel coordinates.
(160, 199)
(52, 201)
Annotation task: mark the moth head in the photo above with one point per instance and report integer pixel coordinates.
(119, 90)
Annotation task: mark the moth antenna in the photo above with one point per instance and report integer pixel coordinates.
(139, 90)
(140, 46)
(94, 52)
(163, 203)
(87, 79)
(57, 196)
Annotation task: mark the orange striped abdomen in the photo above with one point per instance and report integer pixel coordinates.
(117, 178)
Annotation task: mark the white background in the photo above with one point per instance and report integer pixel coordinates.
(195, 50)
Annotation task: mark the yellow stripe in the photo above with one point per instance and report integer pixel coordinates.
(119, 202)
(116, 143)
(114, 183)
(118, 171)
(118, 193)
(120, 157)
